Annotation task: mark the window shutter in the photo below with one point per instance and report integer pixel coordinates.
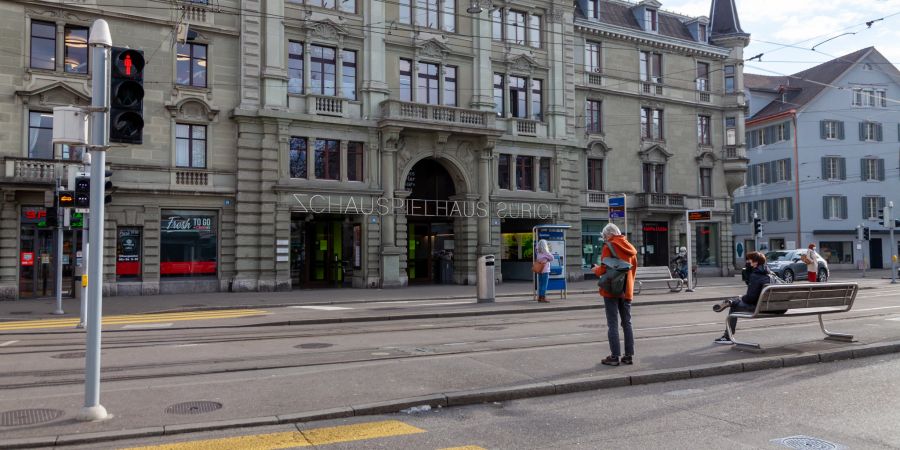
(843, 174)
(790, 209)
(862, 170)
(843, 208)
(862, 131)
(840, 128)
(879, 134)
(825, 214)
(822, 129)
(881, 170)
(787, 131)
(787, 169)
(865, 208)
(824, 168)
(773, 209)
(881, 203)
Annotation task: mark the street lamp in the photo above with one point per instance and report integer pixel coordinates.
(474, 8)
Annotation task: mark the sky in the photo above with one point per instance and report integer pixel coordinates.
(806, 24)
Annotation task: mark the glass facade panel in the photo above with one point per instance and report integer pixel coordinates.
(707, 244)
(299, 155)
(188, 244)
(517, 246)
(43, 45)
(328, 159)
(355, 161)
(295, 67)
(40, 135)
(840, 252)
(76, 58)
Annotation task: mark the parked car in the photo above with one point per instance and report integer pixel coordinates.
(789, 267)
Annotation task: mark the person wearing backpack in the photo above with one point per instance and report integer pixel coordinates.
(618, 265)
(760, 277)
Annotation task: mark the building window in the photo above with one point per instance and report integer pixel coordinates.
(40, 135)
(405, 80)
(498, 94)
(534, 31)
(592, 61)
(729, 79)
(871, 206)
(536, 104)
(428, 84)
(595, 174)
(872, 169)
(704, 136)
(76, 57)
(348, 74)
(519, 27)
(654, 178)
(342, 5)
(782, 170)
(322, 70)
(651, 22)
(503, 171)
(651, 67)
(651, 124)
(703, 76)
(837, 252)
(870, 131)
(497, 24)
(524, 173)
(834, 207)
(436, 14)
(43, 45)
(355, 161)
(834, 168)
(707, 244)
(188, 244)
(701, 32)
(128, 253)
(515, 27)
(706, 182)
(592, 117)
(784, 209)
(831, 129)
(190, 145)
(518, 98)
(191, 65)
(869, 98)
(730, 131)
(450, 85)
(328, 159)
(295, 67)
(544, 175)
(299, 156)
(593, 9)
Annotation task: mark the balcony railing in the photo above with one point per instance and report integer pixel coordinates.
(36, 170)
(673, 201)
(326, 106)
(703, 97)
(651, 88)
(199, 13)
(191, 178)
(436, 115)
(595, 199)
(734, 153)
(707, 203)
(593, 79)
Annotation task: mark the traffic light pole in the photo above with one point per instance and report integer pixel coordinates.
(100, 42)
(891, 224)
(59, 251)
(84, 265)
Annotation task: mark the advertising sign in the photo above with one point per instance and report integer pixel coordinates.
(27, 259)
(555, 235)
(697, 215)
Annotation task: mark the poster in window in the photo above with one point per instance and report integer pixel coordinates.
(128, 253)
(188, 244)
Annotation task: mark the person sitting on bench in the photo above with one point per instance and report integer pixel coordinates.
(759, 279)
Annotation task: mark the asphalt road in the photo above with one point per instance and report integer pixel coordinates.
(849, 404)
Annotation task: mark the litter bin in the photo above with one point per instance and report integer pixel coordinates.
(485, 279)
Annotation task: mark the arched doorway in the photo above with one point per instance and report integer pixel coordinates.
(431, 240)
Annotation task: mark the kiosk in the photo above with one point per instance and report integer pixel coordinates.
(555, 235)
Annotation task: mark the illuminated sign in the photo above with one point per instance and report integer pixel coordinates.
(66, 199)
(697, 215)
(380, 206)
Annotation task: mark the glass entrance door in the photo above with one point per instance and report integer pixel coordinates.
(324, 253)
(37, 262)
(656, 244)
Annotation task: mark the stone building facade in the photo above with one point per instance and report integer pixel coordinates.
(379, 144)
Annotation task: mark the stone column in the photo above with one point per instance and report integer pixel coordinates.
(274, 73)
(390, 253)
(374, 81)
(251, 49)
(556, 85)
(483, 74)
(9, 244)
(306, 68)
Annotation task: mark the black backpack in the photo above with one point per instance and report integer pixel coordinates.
(615, 279)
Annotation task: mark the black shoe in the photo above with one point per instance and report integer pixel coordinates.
(627, 360)
(723, 340)
(610, 361)
(719, 307)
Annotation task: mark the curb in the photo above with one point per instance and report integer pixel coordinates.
(474, 397)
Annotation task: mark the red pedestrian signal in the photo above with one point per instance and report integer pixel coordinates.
(126, 115)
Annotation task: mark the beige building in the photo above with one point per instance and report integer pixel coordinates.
(318, 143)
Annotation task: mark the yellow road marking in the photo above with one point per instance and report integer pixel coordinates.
(290, 439)
(135, 318)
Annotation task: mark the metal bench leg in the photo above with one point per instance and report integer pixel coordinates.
(679, 285)
(737, 344)
(829, 336)
(637, 288)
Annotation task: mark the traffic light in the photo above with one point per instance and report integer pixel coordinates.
(82, 192)
(52, 219)
(107, 187)
(757, 227)
(65, 199)
(126, 114)
(881, 216)
(866, 233)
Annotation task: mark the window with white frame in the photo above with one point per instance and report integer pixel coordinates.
(190, 145)
(870, 131)
(651, 20)
(704, 136)
(834, 207)
(706, 182)
(869, 98)
(832, 129)
(834, 168)
(295, 67)
(762, 209)
(872, 169)
(782, 170)
(592, 55)
(435, 14)
(783, 209)
(871, 206)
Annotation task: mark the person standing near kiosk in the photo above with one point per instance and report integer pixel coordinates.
(543, 258)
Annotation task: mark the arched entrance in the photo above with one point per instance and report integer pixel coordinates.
(431, 243)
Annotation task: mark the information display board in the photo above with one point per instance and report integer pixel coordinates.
(555, 235)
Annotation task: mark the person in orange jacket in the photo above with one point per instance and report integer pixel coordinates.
(620, 305)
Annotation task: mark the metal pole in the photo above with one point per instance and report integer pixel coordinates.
(690, 259)
(100, 42)
(85, 250)
(59, 253)
(755, 234)
(890, 224)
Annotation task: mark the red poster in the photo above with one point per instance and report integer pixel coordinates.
(27, 259)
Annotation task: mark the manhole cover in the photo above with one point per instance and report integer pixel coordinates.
(28, 417)
(20, 313)
(314, 345)
(807, 443)
(193, 407)
(72, 355)
(490, 328)
(592, 325)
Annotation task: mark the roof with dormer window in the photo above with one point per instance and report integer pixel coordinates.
(619, 13)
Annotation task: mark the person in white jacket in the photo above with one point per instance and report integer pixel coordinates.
(812, 264)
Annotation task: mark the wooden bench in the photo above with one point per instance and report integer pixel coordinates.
(791, 300)
(656, 274)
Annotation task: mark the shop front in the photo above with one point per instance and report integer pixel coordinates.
(325, 250)
(37, 254)
(189, 251)
(655, 248)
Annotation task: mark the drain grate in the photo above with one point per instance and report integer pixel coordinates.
(21, 417)
(198, 407)
(314, 345)
(489, 328)
(72, 355)
(807, 443)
